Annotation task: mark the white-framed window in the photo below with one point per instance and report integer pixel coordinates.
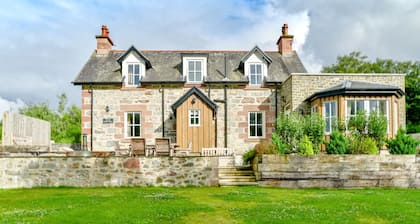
(133, 74)
(194, 117)
(255, 68)
(194, 69)
(132, 124)
(329, 114)
(256, 124)
(255, 73)
(378, 106)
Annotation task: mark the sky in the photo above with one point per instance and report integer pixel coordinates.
(45, 43)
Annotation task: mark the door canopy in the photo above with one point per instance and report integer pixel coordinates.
(199, 94)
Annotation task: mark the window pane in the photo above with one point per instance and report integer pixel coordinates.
(382, 107)
(252, 118)
(252, 131)
(191, 65)
(252, 69)
(191, 76)
(130, 69)
(198, 76)
(360, 105)
(259, 118)
(129, 118)
(259, 79)
(136, 69)
(259, 69)
(350, 108)
(136, 80)
(198, 65)
(373, 106)
(136, 118)
(259, 131)
(333, 109)
(327, 125)
(136, 131)
(327, 109)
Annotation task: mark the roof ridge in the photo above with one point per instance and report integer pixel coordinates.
(190, 51)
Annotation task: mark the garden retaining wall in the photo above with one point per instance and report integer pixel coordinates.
(109, 171)
(339, 171)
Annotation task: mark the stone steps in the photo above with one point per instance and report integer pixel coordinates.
(236, 176)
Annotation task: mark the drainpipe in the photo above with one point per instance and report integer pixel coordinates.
(276, 106)
(225, 93)
(91, 117)
(163, 110)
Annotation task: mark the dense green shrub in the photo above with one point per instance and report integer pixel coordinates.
(358, 123)
(279, 144)
(314, 129)
(264, 147)
(338, 143)
(360, 144)
(377, 128)
(248, 156)
(290, 131)
(402, 144)
(305, 146)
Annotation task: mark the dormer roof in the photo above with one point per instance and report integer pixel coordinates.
(258, 51)
(133, 50)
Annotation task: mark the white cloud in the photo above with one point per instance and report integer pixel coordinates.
(7, 105)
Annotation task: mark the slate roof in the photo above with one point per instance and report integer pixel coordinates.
(166, 66)
(357, 88)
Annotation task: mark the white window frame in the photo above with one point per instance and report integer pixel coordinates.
(194, 115)
(261, 75)
(256, 124)
(133, 74)
(127, 126)
(366, 105)
(254, 59)
(186, 71)
(133, 59)
(331, 116)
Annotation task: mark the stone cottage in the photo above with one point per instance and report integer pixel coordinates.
(217, 98)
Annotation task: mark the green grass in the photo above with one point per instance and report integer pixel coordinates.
(208, 205)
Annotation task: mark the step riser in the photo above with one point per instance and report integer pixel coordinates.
(236, 176)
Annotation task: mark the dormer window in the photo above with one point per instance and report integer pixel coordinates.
(194, 69)
(255, 74)
(255, 66)
(133, 67)
(133, 74)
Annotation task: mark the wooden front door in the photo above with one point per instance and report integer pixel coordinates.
(195, 124)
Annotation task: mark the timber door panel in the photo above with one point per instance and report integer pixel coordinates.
(201, 135)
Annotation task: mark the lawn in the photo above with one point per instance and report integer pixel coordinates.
(208, 205)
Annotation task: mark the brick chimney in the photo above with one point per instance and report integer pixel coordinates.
(285, 41)
(103, 42)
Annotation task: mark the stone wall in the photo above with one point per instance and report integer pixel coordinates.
(22, 130)
(297, 87)
(339, 171)
(111, 171)
(107, 136)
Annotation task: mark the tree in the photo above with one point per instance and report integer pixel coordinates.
(65, 122)
(355, 62)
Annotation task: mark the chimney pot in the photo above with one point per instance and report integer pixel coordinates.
(105, 31)
(285, 29)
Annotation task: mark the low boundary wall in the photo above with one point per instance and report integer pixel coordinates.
(110, 171)
(339, 171)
